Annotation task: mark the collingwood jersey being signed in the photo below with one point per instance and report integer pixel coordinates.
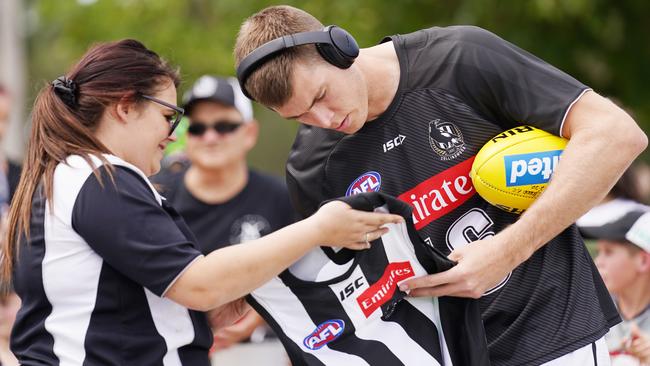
(351, 311)
(458, 88)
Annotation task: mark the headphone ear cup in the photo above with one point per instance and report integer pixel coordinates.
(342, 50)
(331, 55)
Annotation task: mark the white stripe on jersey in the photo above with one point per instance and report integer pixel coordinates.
(373, 328)
(68, 258)
(173, 323)
(400, 253)
(295, 322)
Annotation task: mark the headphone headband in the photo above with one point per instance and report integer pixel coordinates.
(333, 43)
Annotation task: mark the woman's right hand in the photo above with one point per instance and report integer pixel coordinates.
(339, 225)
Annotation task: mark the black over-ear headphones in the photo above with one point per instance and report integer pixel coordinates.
(333, 43)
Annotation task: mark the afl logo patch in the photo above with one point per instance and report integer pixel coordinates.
(324, 334)
(367, 182)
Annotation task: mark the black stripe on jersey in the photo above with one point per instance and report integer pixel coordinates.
(320, 308)
(471, 334)
(30, 339)
(413, 322)
(343, 256)
(136, 326)
(297, 356)
(402, 312)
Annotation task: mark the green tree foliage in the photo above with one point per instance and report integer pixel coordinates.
(601, 42)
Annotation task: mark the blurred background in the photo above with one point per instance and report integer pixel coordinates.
(603, 43)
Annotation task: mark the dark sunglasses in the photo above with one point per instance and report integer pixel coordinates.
(173, 119)
(197, 128)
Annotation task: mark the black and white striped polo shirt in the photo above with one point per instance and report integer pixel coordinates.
(345, 307)
(93, 275)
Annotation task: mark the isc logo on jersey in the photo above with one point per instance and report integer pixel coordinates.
(367, 182)
(324, 334)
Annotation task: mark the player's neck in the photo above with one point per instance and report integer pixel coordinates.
(380, 68)
(635, 298)
(215, 186)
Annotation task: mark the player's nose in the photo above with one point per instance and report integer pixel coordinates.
(323, 117)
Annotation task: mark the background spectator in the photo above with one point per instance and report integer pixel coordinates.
(624, 263)
(221, 198)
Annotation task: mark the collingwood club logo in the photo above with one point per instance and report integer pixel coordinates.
(446, 140)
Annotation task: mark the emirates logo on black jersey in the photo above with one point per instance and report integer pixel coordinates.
(446, 139)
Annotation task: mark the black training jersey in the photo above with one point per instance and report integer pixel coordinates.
(261, 208)
(459, 87)
(350, 311)
(93, 275)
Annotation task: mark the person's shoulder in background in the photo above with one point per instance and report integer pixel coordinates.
(275, 193)
(171, 174)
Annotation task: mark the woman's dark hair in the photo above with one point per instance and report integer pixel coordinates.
(66, 115)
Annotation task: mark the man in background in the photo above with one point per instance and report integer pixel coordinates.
(222, 199)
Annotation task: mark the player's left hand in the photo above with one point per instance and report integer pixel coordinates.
(481, 266)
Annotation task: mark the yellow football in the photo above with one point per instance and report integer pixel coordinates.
(513, 168)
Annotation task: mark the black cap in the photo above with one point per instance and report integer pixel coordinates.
(221, 90)
(622, 221)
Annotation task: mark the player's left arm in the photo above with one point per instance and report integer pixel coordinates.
(603, 142)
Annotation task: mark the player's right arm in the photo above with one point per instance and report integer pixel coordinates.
(603, 140)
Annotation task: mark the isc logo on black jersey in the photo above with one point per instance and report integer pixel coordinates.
(391, 144)
(446, 139)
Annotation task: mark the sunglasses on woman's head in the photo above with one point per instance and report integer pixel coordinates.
(198, 128)
(173, 119)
